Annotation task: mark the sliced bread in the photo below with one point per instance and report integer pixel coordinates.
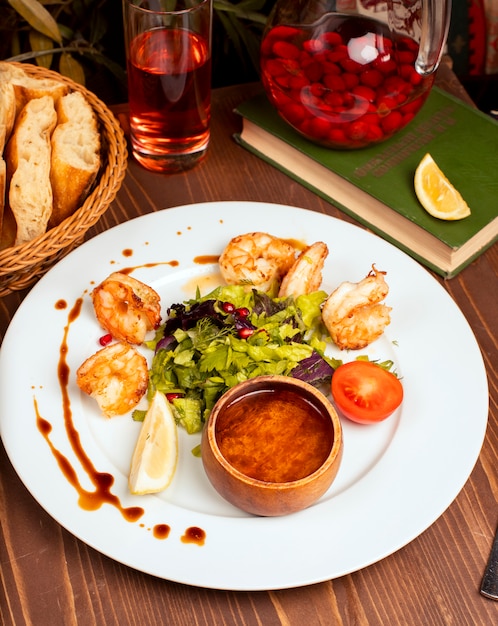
(28, 156)
(75, 155)
(28, 87)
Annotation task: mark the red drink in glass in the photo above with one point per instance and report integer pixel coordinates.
(344, 81)
(169, 85)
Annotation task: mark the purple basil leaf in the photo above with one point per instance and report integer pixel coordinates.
(166, 343)
(314, 370)
(186, 317)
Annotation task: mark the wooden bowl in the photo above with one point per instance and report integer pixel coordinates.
(272, 445)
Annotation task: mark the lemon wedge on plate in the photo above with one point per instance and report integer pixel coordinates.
(155, 456)
(436, 194)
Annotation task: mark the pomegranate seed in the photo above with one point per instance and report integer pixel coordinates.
(244, 333)
(242, 312)
(228, 307)
(172, 396)
(105, 339)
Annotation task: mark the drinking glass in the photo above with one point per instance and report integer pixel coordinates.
(168, 52)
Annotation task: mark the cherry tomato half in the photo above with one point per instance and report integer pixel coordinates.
(364, 392)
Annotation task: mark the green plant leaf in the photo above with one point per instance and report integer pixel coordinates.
(247, 10)
(37, 17)
(70, 67)
(115, 68)
(41, 43)
(245, 42)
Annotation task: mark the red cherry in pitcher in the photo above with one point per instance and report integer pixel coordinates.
(345, 80)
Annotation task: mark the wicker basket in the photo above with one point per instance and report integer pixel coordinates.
(21, 266)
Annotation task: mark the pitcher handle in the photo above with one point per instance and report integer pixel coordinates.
(435, 24)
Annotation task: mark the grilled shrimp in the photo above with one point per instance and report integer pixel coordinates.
(256, 259)
(354, 314)
(126, 307)
(305, 275)
(116, 377)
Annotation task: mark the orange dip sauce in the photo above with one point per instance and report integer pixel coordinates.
(274, 436)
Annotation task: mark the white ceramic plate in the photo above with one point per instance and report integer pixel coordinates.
(396, 478)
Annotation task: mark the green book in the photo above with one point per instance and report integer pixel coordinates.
(375, 185)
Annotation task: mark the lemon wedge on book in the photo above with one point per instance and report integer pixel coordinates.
(436, 194)
(154, 460)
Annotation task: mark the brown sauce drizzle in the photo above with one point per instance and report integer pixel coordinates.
(161, 531)
(88, 500)
(194, 535)
(129, 270)
(206, 259)
(102, 481)
(127, 252)
(61, 305)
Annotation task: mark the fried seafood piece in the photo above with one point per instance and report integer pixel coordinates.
(116, 377)
(354, 314)
(305, 275)
(257, 260)
(126, 307)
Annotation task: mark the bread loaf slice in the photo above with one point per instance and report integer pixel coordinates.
(28, 155)
(75, 155)
(3, 189)
(28, 87)
(7, 119)
(7, 112)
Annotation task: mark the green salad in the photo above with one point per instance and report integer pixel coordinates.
(211, 343)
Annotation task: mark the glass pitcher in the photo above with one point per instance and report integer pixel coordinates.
(350, 73)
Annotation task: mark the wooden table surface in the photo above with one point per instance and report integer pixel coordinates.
(47, 576)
